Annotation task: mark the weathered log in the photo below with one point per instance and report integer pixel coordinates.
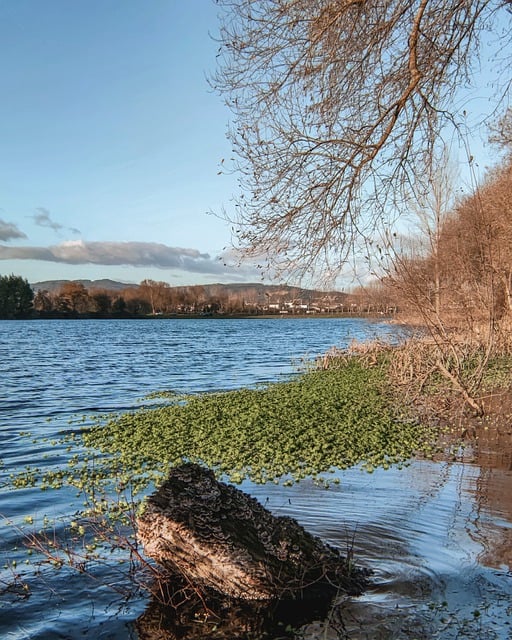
(218, 537)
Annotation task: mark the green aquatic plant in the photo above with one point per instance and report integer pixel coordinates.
(310, 425)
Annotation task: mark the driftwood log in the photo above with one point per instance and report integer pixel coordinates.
(218, 537)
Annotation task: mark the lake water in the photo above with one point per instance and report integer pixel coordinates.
(438, 536)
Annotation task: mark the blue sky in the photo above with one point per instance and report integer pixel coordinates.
(112, 139)
(111, 142)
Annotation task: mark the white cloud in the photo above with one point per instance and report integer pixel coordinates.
(137, 254)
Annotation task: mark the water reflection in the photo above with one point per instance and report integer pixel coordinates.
(452, 577)
(492, 493)
(196, 619)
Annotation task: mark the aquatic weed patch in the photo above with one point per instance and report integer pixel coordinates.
(309, 425)
(314, 423)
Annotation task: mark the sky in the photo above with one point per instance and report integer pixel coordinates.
(112, 142)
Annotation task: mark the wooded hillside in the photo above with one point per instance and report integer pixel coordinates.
(150, 298)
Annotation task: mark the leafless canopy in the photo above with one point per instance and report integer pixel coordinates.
(337, 106)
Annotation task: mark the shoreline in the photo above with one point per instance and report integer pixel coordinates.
(216, 316)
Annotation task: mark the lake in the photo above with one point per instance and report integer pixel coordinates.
(438, 536)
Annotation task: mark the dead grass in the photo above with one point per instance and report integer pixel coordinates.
(447, 380)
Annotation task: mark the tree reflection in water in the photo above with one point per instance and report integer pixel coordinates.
(493, 497)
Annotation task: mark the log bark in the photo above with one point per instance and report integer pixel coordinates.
(218, 537)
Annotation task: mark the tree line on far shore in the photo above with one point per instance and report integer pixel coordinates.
(72, 299)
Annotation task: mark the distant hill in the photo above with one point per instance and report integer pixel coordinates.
(262, 292)
(257, 291)
(53, 285)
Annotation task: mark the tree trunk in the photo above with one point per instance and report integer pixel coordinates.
(218, 537)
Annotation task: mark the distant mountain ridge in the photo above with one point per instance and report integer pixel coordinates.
(258, 289)
(54, 285)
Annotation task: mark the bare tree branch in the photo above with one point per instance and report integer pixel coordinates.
(337, 108)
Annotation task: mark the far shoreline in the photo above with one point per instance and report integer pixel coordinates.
(211, 316)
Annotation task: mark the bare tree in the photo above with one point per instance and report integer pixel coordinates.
(501, 131)
(430, 211)
(73, 297)
(43, 301)
(155, 293)
(337, 107)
